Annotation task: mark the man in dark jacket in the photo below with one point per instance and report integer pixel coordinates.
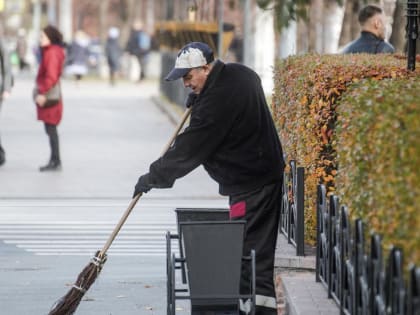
(139, 45)
(372, 37)
(232, 134)
(6, 82)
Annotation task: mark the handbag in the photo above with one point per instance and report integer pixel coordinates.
(53, 95)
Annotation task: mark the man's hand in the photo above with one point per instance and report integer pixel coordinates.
(142, 185)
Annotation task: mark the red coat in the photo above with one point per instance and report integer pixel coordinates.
(49, 73)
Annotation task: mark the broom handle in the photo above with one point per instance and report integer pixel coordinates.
(178, 128)
(137, 197)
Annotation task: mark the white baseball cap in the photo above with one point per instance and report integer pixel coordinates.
(192, 55)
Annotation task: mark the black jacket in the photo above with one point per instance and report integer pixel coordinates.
(231, 133)
(133, 44)
(368, 43)
(113, 53)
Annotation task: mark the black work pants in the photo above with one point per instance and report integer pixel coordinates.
(142, 63)
(51, 131)
(260, 209)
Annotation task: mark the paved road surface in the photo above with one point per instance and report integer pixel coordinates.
(52, 223)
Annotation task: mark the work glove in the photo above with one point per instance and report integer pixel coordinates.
(142, 185)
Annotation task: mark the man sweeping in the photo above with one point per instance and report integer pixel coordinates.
(232, 134)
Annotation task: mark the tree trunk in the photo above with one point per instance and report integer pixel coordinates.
(398, 35)
(315, 26)
(132, 14)
(302, 40)
(350, 29)
(103, 29)
(150, 17)
(325, 20)
(288, 41)
(332, 18)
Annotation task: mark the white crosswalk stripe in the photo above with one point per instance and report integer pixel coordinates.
(42, 228)
(80, 238)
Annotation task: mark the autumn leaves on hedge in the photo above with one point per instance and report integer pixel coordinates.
(307, 105)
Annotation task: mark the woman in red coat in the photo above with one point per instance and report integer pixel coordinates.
(49, 73)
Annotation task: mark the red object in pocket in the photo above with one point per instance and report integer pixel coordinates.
(238, 209)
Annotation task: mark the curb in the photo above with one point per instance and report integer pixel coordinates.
(172, 110)
(286, 258)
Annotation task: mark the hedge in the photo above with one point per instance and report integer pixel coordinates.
(378, 148)
(305, 104)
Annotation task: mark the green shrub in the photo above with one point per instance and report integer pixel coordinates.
(378, 150)
(304, 106)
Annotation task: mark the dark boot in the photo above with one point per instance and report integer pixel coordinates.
(53, 165)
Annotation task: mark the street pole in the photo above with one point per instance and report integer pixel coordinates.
(220, 35)
(52, 15)
(36, 18)
(247, 35)
(412, 32)
(169, 10)
(66, 25)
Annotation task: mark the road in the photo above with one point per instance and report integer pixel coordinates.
(52, 223)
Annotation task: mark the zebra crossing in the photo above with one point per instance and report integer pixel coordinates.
(81, 238)
(46, 227)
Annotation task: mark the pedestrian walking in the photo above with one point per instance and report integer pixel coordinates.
(372, 36)
(139, 45)
(232, 134)
(48, 77)
(113, 53)
(6, 83)
(78, 56)
(21, 49)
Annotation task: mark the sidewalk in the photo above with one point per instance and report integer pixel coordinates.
(108, 137)
(297, 291)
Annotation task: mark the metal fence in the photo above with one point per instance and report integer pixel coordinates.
(292, 223)
(360, 282)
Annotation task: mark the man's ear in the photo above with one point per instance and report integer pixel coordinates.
(377, 22)
(207, 69)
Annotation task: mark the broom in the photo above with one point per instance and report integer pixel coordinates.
(68, 304)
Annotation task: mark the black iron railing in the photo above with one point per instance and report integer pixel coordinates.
(292, 223)
(360, 282)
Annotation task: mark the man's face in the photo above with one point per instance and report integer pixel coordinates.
(196, 78)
